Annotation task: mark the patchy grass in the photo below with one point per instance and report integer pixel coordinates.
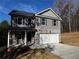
(70, 38)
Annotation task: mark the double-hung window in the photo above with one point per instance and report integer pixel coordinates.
(14, 21)
(19, 20)
(37, 21)
(43, 21)
(54, 22)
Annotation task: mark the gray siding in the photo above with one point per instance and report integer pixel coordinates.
(49, 27)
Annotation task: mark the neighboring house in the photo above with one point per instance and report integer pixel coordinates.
(27, 28)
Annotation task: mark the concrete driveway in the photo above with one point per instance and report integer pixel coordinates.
(66, 51)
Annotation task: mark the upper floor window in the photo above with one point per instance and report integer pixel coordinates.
(26, 21)
(37, 22)
(14, 20)
(43, 21)
(54, 22)
(19, 20)
(29, 21)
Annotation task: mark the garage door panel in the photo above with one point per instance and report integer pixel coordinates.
(49, 38)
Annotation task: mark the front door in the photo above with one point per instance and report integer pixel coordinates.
(29, 36)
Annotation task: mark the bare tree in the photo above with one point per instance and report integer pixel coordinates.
(65, 11)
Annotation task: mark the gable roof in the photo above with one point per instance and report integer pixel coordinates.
(39, 13)
(23, 13)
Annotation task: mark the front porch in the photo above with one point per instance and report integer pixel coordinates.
(20, 37)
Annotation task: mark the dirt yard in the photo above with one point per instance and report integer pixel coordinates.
(38, 54)
(70, 38)
(27, 53)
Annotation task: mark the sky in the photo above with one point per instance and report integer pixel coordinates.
(25, 5)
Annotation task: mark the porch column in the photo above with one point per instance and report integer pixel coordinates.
(8, 39)
(22, 22)
(25, 41)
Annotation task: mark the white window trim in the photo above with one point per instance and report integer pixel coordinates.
(45, 21)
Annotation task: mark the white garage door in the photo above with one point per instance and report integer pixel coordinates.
(49, 38)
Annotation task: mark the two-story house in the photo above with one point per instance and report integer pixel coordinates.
(42, 27)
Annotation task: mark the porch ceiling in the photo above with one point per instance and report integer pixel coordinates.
(21, 29)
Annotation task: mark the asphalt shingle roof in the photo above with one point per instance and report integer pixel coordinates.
(23, 13)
